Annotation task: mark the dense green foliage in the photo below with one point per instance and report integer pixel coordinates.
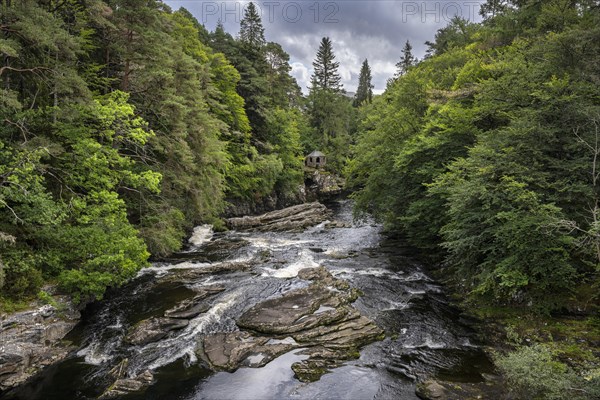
(486, 152)
(124, 124)
(535, 373)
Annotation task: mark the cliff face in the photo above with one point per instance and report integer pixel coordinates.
(318, 185)
(321, 185)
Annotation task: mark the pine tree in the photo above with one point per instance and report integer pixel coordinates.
(252, 32)
(406, 61)
(326, 68)
(364, 93)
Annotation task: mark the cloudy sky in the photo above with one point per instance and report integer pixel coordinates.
(359, 29)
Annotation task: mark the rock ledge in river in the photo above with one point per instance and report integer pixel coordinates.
(153, 329)
(295, 218)
(318, 318)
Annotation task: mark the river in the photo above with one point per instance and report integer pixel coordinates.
(425, 335)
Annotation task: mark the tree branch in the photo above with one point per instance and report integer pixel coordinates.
(35, 69)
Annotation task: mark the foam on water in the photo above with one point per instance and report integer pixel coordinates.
(427, 343)
(395, 305)
(275, 242)
(305, 260)
(201, 235)
(94, 355)
(161, 269)
(376, 272)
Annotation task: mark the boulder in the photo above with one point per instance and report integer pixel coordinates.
(153, 329)
(191, 308)
(491, 388)
(431, 390)
(124, 386)
(291, 219)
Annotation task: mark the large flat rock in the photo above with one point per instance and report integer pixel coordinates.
(295, 218)
(227, 351)
(319, 318)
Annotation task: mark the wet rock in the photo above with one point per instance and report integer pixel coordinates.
(352, 331)
(153, 329)
(119, 370)
(431, 390)
(188, 309)
(321, 360)
(191, 308)
(192, 275)
(295, 218)
(227, 351)
(318, 318)
(282, 315)
(442, 390)
(32, 340)
(312, 369)
(320, 274)
(337, 224)
(124, 386)
(10, 363)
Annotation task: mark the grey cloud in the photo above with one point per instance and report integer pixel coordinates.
(376, 30)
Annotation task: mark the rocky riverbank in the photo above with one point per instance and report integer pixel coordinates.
(33, 339)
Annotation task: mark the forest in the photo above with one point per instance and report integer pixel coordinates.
(493, 141)
(484, 155)
(126, 123)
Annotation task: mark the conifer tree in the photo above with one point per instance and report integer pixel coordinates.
(364, 93)
(252, 32)
(326, 74)
(406, 61)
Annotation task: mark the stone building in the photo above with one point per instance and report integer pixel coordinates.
(316, 159)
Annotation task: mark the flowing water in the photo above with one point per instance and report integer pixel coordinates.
(425, 335)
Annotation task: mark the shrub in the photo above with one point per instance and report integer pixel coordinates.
(534, 373)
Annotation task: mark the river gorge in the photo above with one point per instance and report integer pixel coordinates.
(334, 311)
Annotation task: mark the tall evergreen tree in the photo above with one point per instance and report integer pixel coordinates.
(326, 74)
(252, 32)
(406, 61)
(364, 93)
